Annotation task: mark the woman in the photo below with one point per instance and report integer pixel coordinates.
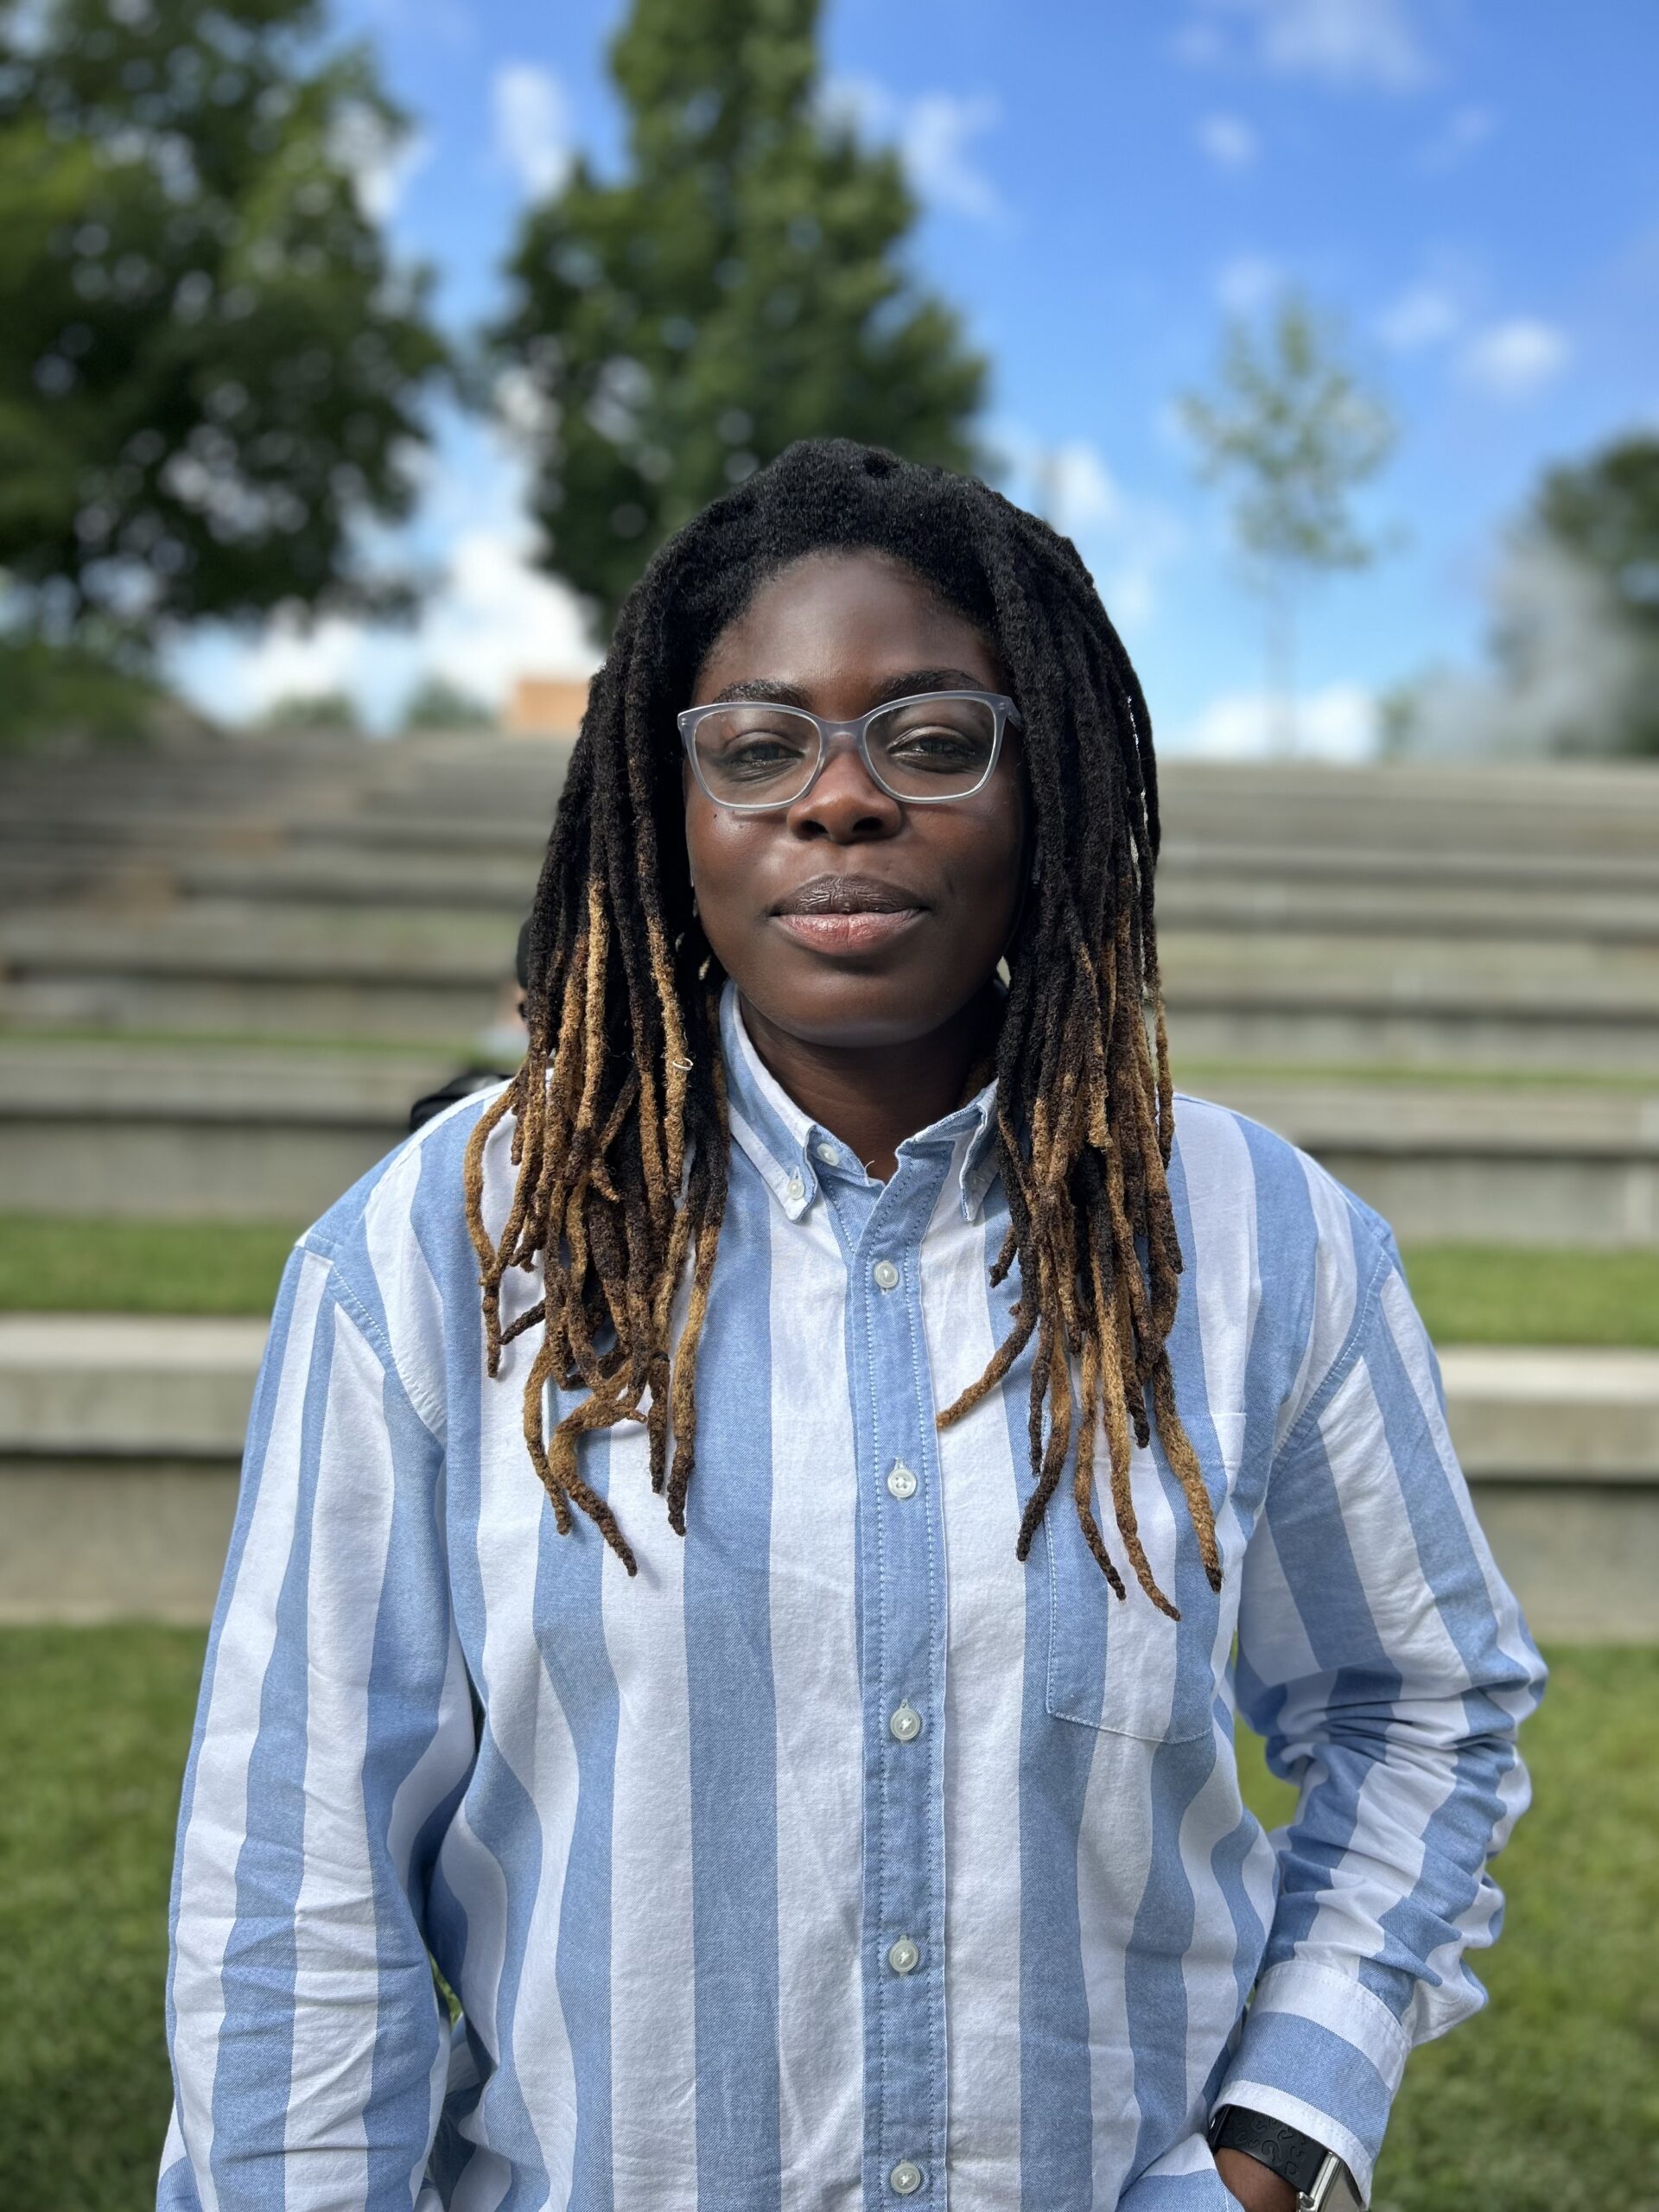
(865, 1825)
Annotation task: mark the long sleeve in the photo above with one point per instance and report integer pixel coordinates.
(333, 1731)
(1386, 1662)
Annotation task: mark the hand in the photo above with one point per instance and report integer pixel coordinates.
(1256, 2187)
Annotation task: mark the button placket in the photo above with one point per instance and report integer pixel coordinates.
(901, 1568)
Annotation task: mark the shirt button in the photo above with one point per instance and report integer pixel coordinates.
(904, 1957)
(907, 2178)
(796, 1187)
(900, 1480)
(907, 1722)
(828, 1154)
(886, 1274)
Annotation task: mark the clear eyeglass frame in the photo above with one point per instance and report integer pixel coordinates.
(1003, 709)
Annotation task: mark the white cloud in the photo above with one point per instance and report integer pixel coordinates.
(1513, 360)
(1248, 283)
(1338, 722)
(1228, 141)
(531, 120)
(1128, 541)
(492, 617)
(934, 141)
(1343, 44)
(381, 161)
(1464, 129)
(934, 134)
(1422, 315)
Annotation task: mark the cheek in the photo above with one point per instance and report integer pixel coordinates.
(987, 868)
(721, 851)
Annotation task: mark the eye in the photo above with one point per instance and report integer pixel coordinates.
(753, 745)
(937, 738)
(934, 742)
(757, 752)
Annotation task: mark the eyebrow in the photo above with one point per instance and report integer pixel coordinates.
(766, 691)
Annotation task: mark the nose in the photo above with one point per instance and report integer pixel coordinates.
(846, 805)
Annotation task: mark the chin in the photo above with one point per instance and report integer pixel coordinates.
(854, 1010)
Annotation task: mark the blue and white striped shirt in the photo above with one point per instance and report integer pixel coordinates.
(838, 1859)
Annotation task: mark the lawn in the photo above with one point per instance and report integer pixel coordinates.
(1468, 1293)
(1548, 2103)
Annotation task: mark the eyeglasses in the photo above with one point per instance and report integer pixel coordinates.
(751, 756)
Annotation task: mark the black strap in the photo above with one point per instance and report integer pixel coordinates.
(1297, 2157)
(459, 1086)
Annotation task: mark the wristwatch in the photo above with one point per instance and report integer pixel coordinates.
(1319, 2174)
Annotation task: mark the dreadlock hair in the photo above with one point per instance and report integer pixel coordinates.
(619, 1132)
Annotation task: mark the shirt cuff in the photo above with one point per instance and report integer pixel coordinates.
(1321, 2053)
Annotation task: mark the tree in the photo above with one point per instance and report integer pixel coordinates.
(1292, 431)
(210, 369)
(1602, 516)
(437, 704)
(332, 711)
(739, 288)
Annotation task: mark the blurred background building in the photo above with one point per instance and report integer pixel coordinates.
(351, 363)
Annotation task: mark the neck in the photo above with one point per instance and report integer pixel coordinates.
(873, 1096)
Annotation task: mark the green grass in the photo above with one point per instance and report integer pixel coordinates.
(1548, 2102)
(1472, 1294)
(48, 1265)
(1510, 1294)
(94, 1725)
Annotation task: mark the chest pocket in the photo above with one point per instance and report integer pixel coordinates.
(1119, 1664)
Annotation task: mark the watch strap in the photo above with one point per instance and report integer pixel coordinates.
(1296, 2158)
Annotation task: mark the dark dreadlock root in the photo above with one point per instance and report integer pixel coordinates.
(620, 1134)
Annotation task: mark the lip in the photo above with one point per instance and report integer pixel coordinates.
(849, 913)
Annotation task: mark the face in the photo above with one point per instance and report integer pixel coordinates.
(840, 633)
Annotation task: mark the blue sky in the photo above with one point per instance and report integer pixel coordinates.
(1472, 185)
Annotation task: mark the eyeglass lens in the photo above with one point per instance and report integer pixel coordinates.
(920, 748)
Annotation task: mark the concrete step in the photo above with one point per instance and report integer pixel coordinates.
(183, 1131)
(233, 965)
(120, 1436)
(1475, 1163)
(227, 966)
(266, 1133)
(1262, 893)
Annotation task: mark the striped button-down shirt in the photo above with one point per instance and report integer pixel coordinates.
(838, 1859)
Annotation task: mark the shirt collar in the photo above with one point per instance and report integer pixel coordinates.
(789, 1150)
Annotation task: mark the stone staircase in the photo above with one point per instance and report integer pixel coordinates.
(225, 973)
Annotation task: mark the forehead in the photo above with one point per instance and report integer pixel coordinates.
(836, 618)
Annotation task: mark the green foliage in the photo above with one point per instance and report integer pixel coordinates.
(1291, 430)
(209, 368)
(743, 285)
(322, 710)
(437, 704)
(1607, 511)
(54, 696)
(1603, 515)
(1545, 2102)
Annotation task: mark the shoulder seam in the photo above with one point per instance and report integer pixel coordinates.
(429, 1416)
